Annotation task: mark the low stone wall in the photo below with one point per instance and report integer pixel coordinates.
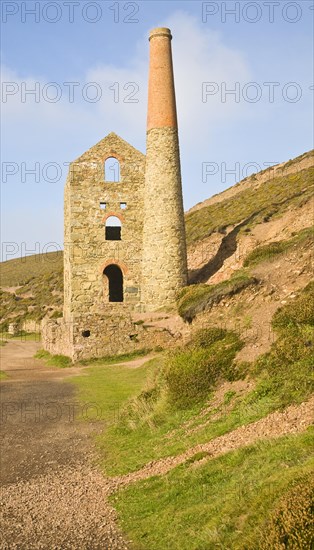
(31, 326)
(55, 335)
(14, 328)
(96, 336)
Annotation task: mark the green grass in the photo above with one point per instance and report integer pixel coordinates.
(194, 299)
(18, 272)
(272, 250)
(223, 503)
(3, 375)
(192, 372)
(60, 361)
(297, 313)
(272, 198)
(109, 386)
(113, 359)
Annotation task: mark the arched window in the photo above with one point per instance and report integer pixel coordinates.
(115, 280)
(113, 229)
(112, 169)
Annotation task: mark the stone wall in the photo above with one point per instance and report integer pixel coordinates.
(30, 325)
(86, 250)
(110, 335)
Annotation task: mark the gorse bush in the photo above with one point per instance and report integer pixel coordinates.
(291, 525)
(297, 343)
(191, 372)
(204, 338)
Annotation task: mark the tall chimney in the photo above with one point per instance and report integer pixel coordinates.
(164, 269)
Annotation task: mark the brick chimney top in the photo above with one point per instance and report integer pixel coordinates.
(162, 111)
(160, 31)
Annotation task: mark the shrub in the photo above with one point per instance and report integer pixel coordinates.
(194, 299)
(297, 343)
(288, 364)
(204, 338)
(290, 525)
(300, 311)
(192, 372)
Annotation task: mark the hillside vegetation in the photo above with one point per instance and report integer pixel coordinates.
(38, 296)
(252, 205)
(18, 272)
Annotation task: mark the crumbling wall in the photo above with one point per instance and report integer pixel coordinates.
(101, 336)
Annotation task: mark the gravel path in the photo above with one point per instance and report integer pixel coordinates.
(64, 509)
(52, 496)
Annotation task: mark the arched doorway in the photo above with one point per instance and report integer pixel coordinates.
(115, 278)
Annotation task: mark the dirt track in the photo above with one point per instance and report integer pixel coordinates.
(52, 495)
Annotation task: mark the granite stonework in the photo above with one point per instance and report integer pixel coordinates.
(109, 277)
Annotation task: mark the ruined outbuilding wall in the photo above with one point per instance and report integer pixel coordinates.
(109, 335)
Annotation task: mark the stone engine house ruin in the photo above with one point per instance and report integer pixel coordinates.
(124, 234)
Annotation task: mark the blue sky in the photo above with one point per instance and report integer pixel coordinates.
(88, 63)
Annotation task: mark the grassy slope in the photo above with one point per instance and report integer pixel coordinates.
(222, 504)
(270, 251)
(18, 272)
(256, 205)
(194, 299)
(40, 288)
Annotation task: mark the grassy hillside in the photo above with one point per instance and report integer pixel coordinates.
(198, 298)
(20, 271)
(254, 205)
(38, 296)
